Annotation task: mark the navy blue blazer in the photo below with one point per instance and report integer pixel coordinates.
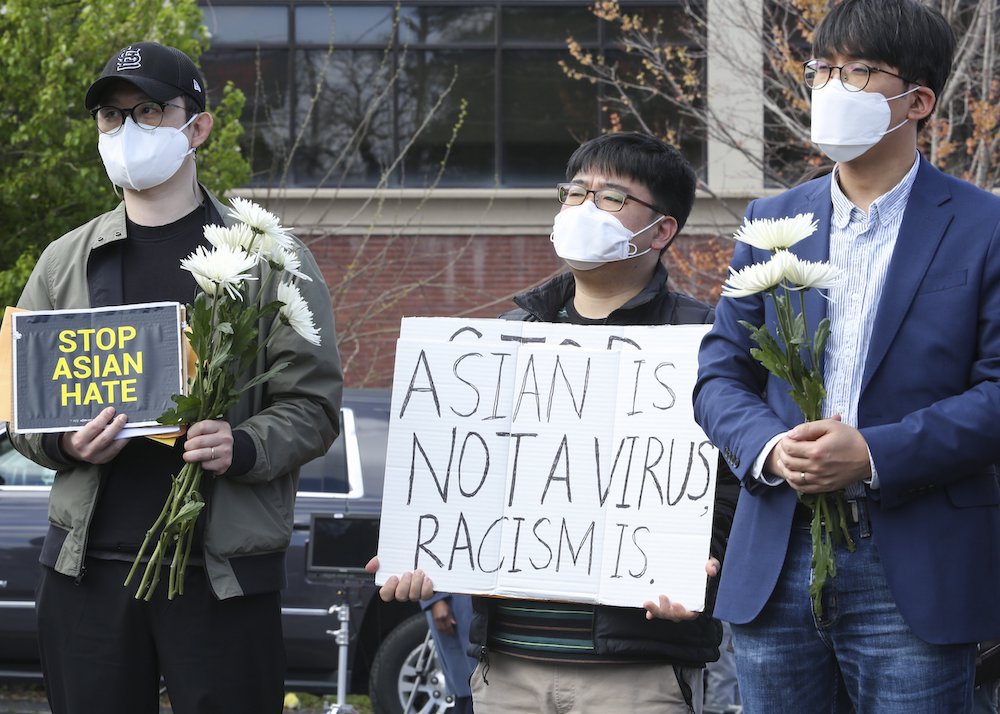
(929, 410)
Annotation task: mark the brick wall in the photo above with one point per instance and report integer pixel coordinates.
(376, 281)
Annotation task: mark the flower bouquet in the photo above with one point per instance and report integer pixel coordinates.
(795, 357)
(223, 327)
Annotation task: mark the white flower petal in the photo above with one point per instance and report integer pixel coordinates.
(773, 234)
(296, 313)
(254, 216)
(269, 234)
(238, 236)
(289, 262)
(220, 268)
(756, 278)
(807, 275)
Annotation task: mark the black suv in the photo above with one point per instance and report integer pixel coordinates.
(336, 532)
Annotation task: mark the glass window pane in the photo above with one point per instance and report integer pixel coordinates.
(242, 24)
(545, 116)
(548, 25)
(446, 25)
(426, 77)
(344, 25)
(348, 131)
(263, 77)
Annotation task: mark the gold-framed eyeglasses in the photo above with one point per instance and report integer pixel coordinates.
(607, 199)
(853, 75)
(147, 115)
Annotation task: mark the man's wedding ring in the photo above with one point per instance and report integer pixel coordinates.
(802, 474)
(213, 459)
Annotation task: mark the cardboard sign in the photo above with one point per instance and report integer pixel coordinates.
(68, 365)
(548, 461)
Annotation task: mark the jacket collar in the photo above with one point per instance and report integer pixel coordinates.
(104, 267)
(545, 301)
(925, 220)
(114, 227)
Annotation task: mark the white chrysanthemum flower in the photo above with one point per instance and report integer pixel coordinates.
(756, 278)
(220, 268)
(805, 275)
(296, 313)
(270, 234)
(773, 234)
(237, 236)
(254, 216)
(270, 244)
(289, 262)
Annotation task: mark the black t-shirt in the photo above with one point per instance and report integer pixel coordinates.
(138, 480)
(569, 314)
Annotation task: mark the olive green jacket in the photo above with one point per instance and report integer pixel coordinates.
(291, 419)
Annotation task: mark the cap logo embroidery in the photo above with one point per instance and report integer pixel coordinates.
(197, 87)
(129, 59)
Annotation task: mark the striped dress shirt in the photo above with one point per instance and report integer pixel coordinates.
(861, 246)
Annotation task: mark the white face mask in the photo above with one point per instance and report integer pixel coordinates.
(587, 237)
(846, 124)
(139, 158)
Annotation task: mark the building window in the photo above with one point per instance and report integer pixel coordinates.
(350, 94)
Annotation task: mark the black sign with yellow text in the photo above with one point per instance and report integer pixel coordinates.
(71, 364)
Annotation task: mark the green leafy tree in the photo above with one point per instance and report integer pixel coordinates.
(51, 176)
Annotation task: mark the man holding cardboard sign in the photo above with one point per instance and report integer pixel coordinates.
(626, 198)
(219, 646)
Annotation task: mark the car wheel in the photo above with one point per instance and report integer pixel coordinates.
(405, 676)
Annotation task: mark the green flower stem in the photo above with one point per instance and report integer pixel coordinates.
(828, 527)
(149, 534)
(185, 533)
(223, 354)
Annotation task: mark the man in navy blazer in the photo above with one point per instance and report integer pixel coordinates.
(912, 413)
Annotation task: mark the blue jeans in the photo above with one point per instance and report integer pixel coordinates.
(859, 653)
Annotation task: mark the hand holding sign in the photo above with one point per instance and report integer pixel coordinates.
(664, 609)
(407, 587)
(96, 442)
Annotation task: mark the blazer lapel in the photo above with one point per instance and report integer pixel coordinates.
(816, 248)
(925, 221)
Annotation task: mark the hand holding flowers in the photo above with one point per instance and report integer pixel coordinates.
(231, 323)
(795, 357)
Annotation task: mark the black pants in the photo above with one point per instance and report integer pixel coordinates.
(104, 651)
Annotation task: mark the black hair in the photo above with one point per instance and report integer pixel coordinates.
(191, 106)
(655, 164)
(905, 34)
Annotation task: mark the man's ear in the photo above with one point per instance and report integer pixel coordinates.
(665, 232)
(923, 104)
(200, 128)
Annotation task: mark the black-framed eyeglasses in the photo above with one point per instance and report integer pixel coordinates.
(853, 75)
(148, 115)
(607, 199)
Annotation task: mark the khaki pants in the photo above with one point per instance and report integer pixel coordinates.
(526, 686)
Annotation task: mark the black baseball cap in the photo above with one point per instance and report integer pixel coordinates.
(161, 72)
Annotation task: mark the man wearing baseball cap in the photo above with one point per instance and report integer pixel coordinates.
(218, 646)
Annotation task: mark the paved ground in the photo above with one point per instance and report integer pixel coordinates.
(30, 699)
(21, 706)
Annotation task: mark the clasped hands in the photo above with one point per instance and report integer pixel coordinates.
(209, 442)
(820, 456)
(417, 585)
